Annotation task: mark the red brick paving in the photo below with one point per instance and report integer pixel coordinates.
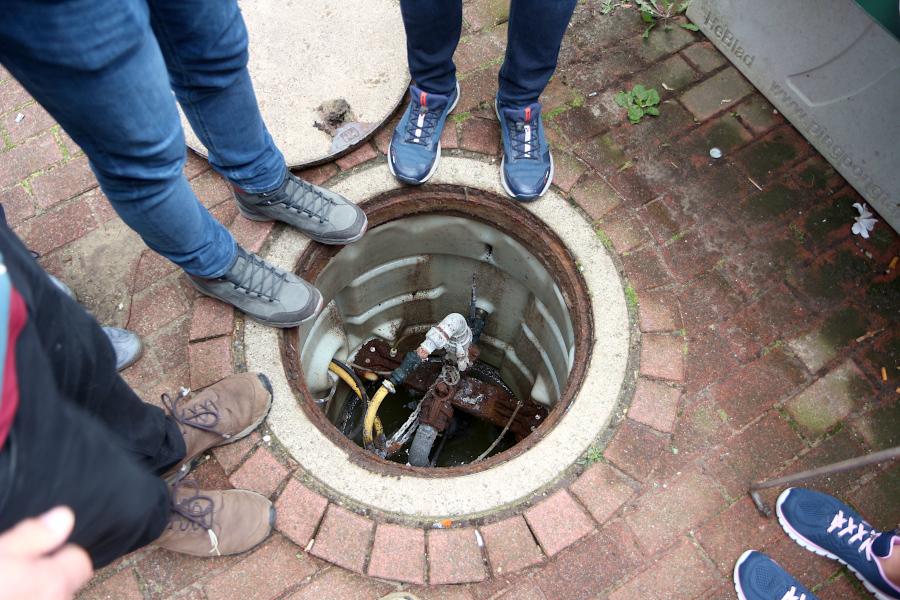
(398, 554)
(602, 490)
(454, 556)
(343, 538)
(557, 522)
(510, 545)
(272, 569)
(754, 305)
(299, 512)
(261, 473)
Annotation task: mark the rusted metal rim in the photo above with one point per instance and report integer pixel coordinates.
(509, 218)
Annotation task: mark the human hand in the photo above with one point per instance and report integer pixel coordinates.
(35, 565)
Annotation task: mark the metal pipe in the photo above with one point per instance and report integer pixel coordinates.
(838, 467)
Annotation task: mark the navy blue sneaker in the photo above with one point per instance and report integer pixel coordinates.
(527, 168)
(415, 149)
(758, 577)
(825, 525)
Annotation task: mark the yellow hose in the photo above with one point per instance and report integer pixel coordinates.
(372, 413)
(348, 379)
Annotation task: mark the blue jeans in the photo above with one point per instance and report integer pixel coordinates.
(536, 29)
(106, 70)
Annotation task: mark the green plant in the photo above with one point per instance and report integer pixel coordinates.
(638, 102)
(655, 11)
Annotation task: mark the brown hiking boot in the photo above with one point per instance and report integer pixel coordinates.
(216, 523)
(221, 414)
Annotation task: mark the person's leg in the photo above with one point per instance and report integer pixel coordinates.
(56, 451)
(58, 454)
(97, 69)
(432, 28)
(81, 363)
(204, 43)
(536, 29)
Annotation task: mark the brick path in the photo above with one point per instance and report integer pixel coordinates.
(765, 327)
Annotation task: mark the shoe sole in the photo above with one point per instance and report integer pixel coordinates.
(264, 219)
(437, 160)
(816, 549)
(737, 577)
(280, 324)
(503, 181)
(187, 467)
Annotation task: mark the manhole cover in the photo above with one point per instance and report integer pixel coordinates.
(326, 73)
(556, 336)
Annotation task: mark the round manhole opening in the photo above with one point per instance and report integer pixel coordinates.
(500, 273)
(557, 335)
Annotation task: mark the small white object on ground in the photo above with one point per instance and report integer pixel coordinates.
(20, 117)
(479, 539)
(715, 153)
(864, 222)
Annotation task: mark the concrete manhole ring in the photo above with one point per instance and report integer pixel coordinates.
(587, 398)
(304, 72)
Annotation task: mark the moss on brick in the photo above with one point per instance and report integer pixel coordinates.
(771, 203)
(843, 327)
(766, 156)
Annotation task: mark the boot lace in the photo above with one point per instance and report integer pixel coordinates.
(302, 198)
(523, 138)
(203, 415)
(843, 525)
(193, 512)
(421, 125)
(255, 277)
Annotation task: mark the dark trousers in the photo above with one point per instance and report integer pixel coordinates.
(80, 437)
(536, 29)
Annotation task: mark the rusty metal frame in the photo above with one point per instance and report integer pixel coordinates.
(511, 219)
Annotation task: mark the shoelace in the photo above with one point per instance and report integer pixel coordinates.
(203, 416)
(523, 138)
(195, 510)
(846, 525)
(255, 277)
(421, 125)
(791, 594)
(302, 198)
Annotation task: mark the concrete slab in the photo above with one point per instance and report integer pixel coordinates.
(347, 56)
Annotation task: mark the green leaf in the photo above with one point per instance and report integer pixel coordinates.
(635, 113)
(622, 99)
(652, 111)
(684, 6)
(647, 16)
(652, 97)
(646, 35)
(690, 27)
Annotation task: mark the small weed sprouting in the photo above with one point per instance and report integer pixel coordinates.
(654, 12)
(593, 455)
(638, 102)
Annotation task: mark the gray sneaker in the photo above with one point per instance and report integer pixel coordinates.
(263, 292)
(126, 344)
(324, 216)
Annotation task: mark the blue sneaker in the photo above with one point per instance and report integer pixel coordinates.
(758, 577)
(825, 525)
(415, 148)
(527, 168)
